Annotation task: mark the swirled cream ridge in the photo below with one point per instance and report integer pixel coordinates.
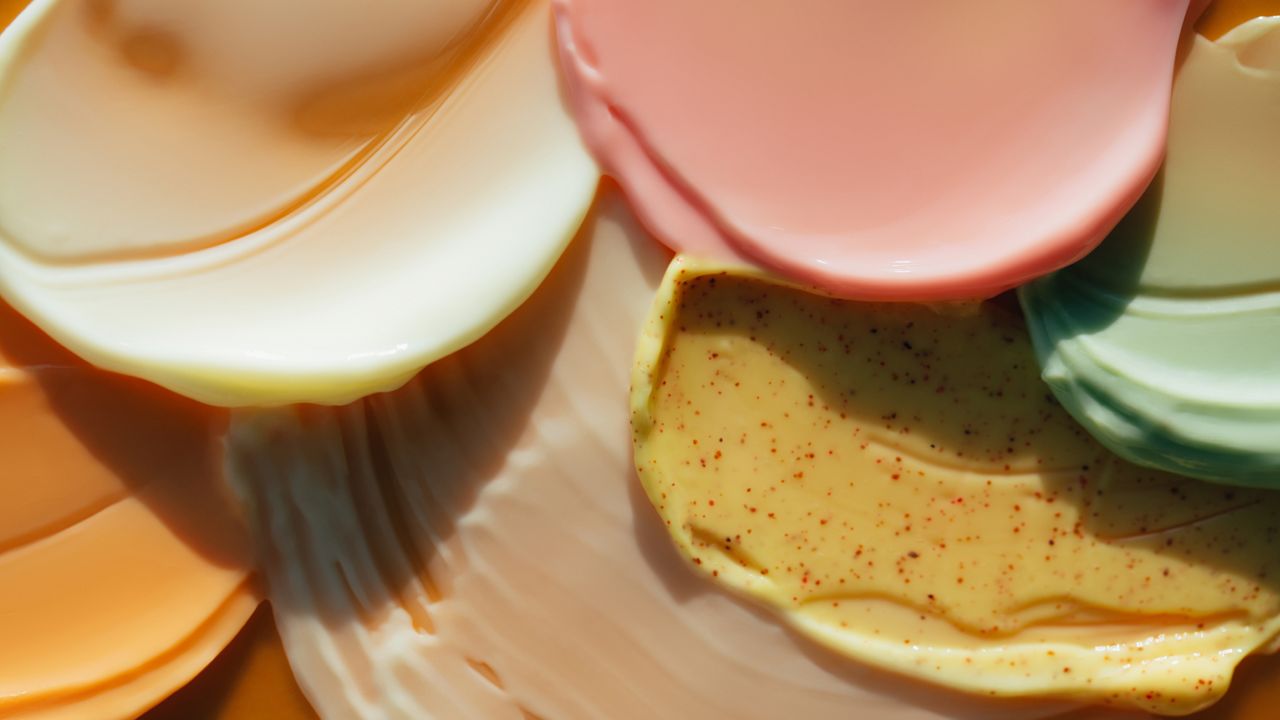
(250, 208)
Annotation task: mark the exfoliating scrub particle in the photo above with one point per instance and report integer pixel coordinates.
(896, 482)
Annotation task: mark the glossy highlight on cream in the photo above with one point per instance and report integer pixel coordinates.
(190, 208)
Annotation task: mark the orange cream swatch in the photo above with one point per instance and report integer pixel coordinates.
(123, 564)
(250, 679)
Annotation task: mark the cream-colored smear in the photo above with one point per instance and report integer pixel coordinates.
(149, 127)
(255, 203)
(898, 484)
(475, 545)
(123, 563)
(1223, 16)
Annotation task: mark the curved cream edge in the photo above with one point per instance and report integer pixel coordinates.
(1223, 16)
(132, 694)
(1174, 663)
(474, 545)
(939, 245)
(123, 562)
(249, 679)
(110, 616)
(1163, 342)
(307, 309)
(1256, 46)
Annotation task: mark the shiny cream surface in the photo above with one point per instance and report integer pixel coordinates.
(123, 562)
(1165, 342)
(476, 545)
(883, 150)
(250, 678)
(898, 484)
(252, 209)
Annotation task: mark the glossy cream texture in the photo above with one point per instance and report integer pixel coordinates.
(1165, 342)
(475, 545)
(251, 209)
(249, 679)
(123, 562)
(899, 485)
(882, 150)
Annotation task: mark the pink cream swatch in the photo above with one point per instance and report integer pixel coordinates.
(896, 150)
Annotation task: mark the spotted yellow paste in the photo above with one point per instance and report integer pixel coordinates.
(896, 482)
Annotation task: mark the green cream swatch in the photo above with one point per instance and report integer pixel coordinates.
(1165, 342)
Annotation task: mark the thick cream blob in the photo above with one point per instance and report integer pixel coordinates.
(1165, 342)
(123, 563)
(475, 545)
(254, 203)
(884, 150)
(899, 484)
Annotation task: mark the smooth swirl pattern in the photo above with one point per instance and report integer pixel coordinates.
(249, 207)
(475, 545)
(1165, 342)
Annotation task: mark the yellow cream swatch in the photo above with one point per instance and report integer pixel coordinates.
(897, 483)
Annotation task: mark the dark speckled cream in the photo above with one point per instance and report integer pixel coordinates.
(898, 483)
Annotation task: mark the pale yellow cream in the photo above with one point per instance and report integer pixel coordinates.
(897, 483)
(257, 203)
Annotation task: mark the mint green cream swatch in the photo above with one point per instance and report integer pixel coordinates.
(1165, 342)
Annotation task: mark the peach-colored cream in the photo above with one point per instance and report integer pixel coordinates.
(888, 150)
(476, 545)
(123, 567)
